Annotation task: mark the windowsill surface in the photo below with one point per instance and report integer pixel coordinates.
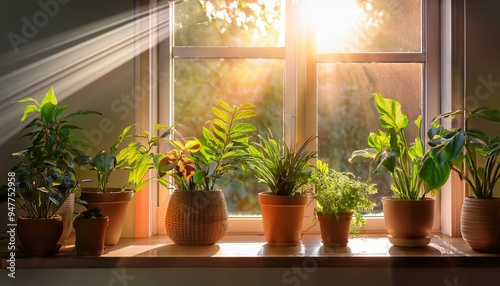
(251, 251)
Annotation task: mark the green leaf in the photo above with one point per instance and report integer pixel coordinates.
(449, 150)
(244, 115)
(243, 128)
(50, 97)
(486, 113)
(221, 114)
(224, 105)
(391, 114)
(28, 110)
(434, 176)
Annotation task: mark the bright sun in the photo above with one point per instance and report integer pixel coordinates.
(336, 22)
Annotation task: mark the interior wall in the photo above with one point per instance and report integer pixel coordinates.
(483, 61)
(85, 51)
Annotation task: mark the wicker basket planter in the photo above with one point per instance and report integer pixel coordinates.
(196, 217)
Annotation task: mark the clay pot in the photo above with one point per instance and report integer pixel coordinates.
(196, 217)
(90, 235)
(282, 218)
(39, 236)
(335, 232)
(114, 204)
(408, 220)
(481, 224)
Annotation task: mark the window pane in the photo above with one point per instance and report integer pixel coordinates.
(198, 83)
(356, 26)
(347, 113)
(231, 23)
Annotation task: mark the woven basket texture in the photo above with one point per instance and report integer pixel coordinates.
(196, 217)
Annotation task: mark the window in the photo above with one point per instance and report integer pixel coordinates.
(310, 68)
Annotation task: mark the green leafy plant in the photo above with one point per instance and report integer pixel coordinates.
(202, 164)
(92, 213)
(46, 169)
(469, 152)
(392, 151)
(282, 168)
(340, 192)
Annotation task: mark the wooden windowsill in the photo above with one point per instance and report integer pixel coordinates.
(251, 251)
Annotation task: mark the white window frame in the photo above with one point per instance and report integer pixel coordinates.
(300, 114)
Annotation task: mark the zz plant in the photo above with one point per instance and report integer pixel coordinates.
(204, 163)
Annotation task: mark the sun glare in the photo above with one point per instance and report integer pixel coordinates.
(336, 23)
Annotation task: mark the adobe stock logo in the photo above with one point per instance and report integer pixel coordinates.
(31, 26)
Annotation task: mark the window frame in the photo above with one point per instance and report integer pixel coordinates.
(300, 114)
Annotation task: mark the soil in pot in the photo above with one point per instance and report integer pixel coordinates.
(282, 218)
(39, 236)
(114, 204)
(196, 217)
(481, 224)
(335, 232)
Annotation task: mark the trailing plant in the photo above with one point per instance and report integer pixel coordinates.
(282, 168)
(340, 192)
(202, 164)
(391, 150)
(469, 152)
(46, 169)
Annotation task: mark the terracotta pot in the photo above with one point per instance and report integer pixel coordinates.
(282, 218)
(114, 204)
(481, 224)
(408, 220)
(335, 232)
(39, 236)
(90, 235)
(196, 217)
(66, 212)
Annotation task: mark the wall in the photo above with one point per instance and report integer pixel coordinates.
(85, 50)
(482, 61)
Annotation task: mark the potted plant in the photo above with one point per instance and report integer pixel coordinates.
(475, 158)
(284, 170)
(45, 173)
(197, 211)
(90, 228)
(339, 196)
(409, 214)
(136, 158)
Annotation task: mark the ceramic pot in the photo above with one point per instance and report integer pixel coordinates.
(66, 212)
(282, 218)
(90, 235)
(408, 222)
(196, 217)
(335, 232)
(481, 224)
(114, 204)
(39, 236)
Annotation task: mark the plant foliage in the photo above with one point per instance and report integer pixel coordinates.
(340, 192)
(282, 168)
(46, 169)
(201, 164)
(469, 152)
(390, 149)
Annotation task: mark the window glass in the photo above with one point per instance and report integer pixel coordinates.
(231, 23)
(347, 113)
(357, 26)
